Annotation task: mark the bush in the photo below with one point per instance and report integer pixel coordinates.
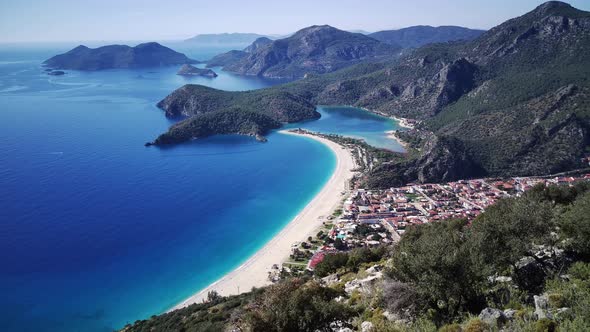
(296, 305)
(451, 328)
(400, 298)
(476, 325)
(545, 325)
(575, 225)
(556, 300)
(435, 260)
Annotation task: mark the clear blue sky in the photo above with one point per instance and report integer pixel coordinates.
(85, 20)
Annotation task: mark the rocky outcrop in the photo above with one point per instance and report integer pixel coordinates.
(493, 317)
(188, 70)
(445, 159)
(118, 56)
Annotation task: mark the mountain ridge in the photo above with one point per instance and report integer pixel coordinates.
(420, 35)
(315, 49)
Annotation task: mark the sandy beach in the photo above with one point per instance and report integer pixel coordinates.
(254, 272)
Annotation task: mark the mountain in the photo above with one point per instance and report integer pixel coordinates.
(225, 39)
(417, 36)
(258, 44)
(226, 58)
(233, 56)
(514, 101)
(188, 70)
(118, 56)
(316, 49)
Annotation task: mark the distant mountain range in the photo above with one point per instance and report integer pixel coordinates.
(225, 38)
(417, 36)
(513, 101)
(118, 56)
(313, 50)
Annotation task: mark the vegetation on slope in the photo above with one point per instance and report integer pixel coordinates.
(439, 276)
(234, 121)
(212, 112)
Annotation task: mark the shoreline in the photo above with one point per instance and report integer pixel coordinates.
(254, 272)
(391, 135)
(402, 122)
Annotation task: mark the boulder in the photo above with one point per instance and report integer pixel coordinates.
(493, 317)
(366, 326)
(509, 313)
(330, 279)
(541, 306)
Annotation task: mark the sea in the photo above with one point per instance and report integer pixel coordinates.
(98, 231)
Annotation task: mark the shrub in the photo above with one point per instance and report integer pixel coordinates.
(545, 325)
(476, 325)
(556, 300)
(451, 328)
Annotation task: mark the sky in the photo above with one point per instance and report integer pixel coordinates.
(112, 20)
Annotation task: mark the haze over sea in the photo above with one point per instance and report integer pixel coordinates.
(96, 230)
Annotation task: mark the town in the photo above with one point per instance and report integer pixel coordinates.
(375, 217)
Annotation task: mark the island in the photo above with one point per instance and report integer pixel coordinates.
(189, 70)
(118, 56)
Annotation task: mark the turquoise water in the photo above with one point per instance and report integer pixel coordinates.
(96, 230)
(356, 123)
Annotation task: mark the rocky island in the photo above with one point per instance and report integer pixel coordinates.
(118, 56)
(189, 70)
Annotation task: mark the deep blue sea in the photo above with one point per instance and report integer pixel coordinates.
(96, 230)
